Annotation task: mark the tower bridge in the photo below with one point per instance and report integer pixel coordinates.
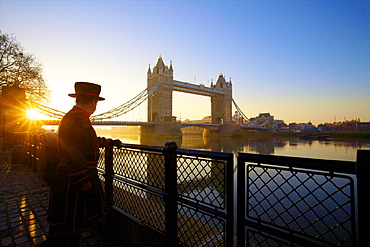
(160, 103)
(159, 94)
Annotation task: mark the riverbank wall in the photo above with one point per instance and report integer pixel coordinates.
(357, 135)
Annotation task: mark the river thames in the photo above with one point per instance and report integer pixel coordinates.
(330, 148)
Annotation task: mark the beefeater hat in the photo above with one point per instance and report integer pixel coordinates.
(87, 88)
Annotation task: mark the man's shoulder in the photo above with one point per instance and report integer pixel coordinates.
(74, 117)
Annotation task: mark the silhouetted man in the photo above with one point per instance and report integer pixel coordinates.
(76, 198)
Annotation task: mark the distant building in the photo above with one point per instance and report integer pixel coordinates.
(263, 120)
(281, 126)
(347, 126)
(293, 127)
(237, 118)
(207, 120)
(306, 127)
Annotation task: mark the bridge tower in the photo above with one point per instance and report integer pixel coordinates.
(160, 102)
(221, 105)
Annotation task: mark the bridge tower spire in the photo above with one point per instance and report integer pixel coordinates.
(160, 103)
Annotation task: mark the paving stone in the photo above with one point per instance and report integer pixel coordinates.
(28, 216)
(19, 228)
(4, 226)
(19, 234)
(45, 224)
(38, 240)
(37, 207)
(6, 241)
(15, 224)
(36, 233)
(25, 245)
(15, 218)
(21, 240)
(4, 233)
(23, 208)
(41, 214)
(43, 217)
(2, 218)
(12, 211)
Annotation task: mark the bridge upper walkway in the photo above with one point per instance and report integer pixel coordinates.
(195, 89)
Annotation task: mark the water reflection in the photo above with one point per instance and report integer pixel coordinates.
(338, 149)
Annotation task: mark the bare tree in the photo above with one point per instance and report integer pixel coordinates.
(22, 69)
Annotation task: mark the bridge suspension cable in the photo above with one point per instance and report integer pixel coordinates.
(116, 112)
(122, 109)
(259, 125)
(126, 107)
(47, 111)
(250, 123)
(240, 111)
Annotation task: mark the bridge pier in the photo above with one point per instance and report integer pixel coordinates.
(162, 130)
(226, 130)
(229, 130)
(210, 133)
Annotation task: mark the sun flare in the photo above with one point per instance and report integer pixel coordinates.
(34, 115)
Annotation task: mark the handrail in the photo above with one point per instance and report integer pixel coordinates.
(140, 147)
(304, 163)
(205, 154)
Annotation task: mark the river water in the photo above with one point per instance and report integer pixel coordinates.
(331, 148)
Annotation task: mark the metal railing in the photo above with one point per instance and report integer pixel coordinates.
(188, 196)
(39, 152)
(281, 201)
(33, 146)
(285, 201)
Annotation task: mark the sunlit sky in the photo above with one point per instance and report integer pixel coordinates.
(298, 60)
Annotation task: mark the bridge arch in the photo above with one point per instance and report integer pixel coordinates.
(160, 102)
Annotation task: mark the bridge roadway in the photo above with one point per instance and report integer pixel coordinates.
(141, 123)
(121, 123)
(135, 123)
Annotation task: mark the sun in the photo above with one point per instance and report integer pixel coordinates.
(34, 115)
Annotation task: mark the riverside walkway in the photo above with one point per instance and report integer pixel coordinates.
(24, 199)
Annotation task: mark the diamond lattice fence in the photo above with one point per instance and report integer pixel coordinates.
(314, 204)
(201, 180)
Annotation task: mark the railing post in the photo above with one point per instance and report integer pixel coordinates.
(363, 185)
(33, 153)
(241, 201)
(108, 186)
(230, 203)
(169, 152)
(29, 151)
